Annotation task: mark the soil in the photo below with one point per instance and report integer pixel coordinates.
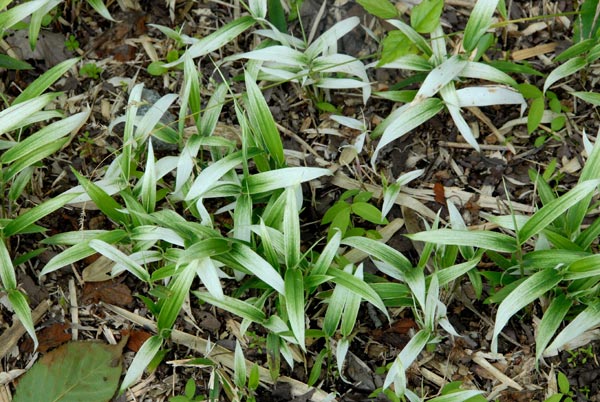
(453, 172)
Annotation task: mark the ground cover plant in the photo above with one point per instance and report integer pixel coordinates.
(275, 200)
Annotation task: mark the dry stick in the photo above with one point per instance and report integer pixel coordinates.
(221, 355)
(486, 120)
(500, 376)
(11, 336)
(462, 145)
(74, 310)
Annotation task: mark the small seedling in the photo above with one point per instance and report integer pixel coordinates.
(90, 70)
(72, 43)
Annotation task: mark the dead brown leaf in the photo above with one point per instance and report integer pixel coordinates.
(110, 292)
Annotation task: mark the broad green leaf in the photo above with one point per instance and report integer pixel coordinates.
(425, 16)
(529, 290)
(405, 119)
(33, 215)
(7, 271)
(553, 210)
(239, 367)
(353, 284)
(379, 8)
(481, 239)
(576, 50)
(238, 307)
(205, 248)
(23, 312)
(179, 289)
(75, 371)
(294, 303)
(536, 112)
(587, 319)
(285, 177)
(479, 22)
(564, 70)
(217, 39)
(141, 360)
(368, 212)
(262, 122)
(552, 319)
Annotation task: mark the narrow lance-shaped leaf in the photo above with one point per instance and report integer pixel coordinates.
(12, 116)
(479, 22)
(23, 312)
(275, 179)
(116, 255)
(294, 302)
(481, 238)
(263, 123)
(238, 307)
(291, 229)
(586, 320)
(405, 119)
(551, 321)
(45, 80)
(359, 287)
(7, 271)
(141, 360)
(33, 215)
(179, 289)
(564, 70)
(554, 209)
(217, 39)
(528, 291)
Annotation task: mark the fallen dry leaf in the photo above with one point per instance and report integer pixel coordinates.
(49, 338)
(136, 339)
(110, 292)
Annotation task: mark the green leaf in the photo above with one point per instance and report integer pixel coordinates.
(76, 371)
(45, 80)
(380, 251)
(379, 8)
(536, 112)
(23, 312)
(590, 97)
(285, 177)
(179, 288)
(239, 367)
(479, 22)
(294, 303)
(405, 119)
(587, 319)
(7, 271)
(116, 255)
(141, 360)
(368, 212)
(425, 16)
(552, 319)
(529, 290)
(33, 215)
(481, 238)
(9, 63)
(359, 287)
(100, 8)
(291, 229)
(460, 396)
(553, 210)
(103, 201)
(217, 39)
(564, 70)
(10, 17)
(563, 383)
(235, 306)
